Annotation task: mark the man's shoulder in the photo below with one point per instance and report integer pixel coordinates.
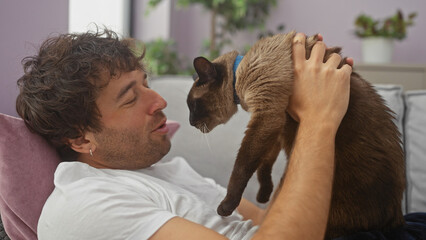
(72, 171)
(80, 176)
(84, 196)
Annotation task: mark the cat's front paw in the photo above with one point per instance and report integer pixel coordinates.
(226, 208)
(263, 196)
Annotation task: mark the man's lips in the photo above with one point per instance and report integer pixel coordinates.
(162, 127)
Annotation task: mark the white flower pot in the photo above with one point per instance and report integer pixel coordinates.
(377, 50)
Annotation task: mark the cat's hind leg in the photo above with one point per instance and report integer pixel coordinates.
(264, 173)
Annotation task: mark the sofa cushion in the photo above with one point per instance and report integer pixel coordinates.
(415, 148)
(393, 96)
(27, 165)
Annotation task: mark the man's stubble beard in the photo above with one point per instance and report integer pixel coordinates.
(127, 149)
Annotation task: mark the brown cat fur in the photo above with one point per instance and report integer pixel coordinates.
(369, 165)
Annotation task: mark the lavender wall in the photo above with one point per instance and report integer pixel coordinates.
(24, 24)
(332, 18)
(189, 27)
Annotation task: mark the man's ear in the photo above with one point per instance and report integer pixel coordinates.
(83, 144)
(205, 69)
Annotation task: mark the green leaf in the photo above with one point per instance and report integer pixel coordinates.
(161, 58)
(236, 14)
(392, 27)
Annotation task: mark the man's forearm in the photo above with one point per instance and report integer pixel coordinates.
(300, 210)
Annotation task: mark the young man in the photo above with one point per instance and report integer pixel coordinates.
(88, 95)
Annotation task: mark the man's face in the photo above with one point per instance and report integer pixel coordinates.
(134, 133)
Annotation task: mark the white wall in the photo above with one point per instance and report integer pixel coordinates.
(151, 23)
(113, 14)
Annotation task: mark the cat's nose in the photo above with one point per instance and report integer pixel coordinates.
(191, 119)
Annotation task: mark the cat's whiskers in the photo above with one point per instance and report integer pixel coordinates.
(205, 131)
(182, 91)
(206, 128)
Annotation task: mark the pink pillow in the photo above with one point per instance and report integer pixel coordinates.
(27, 166)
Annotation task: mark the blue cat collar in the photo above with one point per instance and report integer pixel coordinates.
(236, 63)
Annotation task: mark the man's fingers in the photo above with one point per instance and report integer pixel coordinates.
(299, 51)
(350, 61)
(334, 60)
(347, 69)
(318, 52)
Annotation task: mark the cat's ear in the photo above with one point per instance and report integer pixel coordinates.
(194, 76)
(205, 69)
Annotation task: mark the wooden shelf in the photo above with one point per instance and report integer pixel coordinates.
(411, 77)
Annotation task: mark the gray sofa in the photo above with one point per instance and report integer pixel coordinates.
(213, 154)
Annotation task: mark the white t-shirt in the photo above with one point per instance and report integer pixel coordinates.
(90, 203)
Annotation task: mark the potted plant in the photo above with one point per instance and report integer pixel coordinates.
(378, 35)
(228, 16)
(161, 57)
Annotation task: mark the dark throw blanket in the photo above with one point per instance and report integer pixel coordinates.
(415, 229)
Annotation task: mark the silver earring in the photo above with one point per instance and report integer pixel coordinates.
(91, 153)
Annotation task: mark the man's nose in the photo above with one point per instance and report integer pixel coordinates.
(158, 103)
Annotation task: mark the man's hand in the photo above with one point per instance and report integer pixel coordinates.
(321, 91)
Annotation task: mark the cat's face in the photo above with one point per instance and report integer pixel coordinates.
(208, 101)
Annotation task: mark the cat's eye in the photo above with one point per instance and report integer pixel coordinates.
(200, 83)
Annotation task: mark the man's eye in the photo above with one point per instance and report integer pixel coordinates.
(130, 102)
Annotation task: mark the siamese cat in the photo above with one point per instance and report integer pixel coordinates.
(369, 178)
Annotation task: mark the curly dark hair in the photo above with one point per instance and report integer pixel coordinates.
(61, 84)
